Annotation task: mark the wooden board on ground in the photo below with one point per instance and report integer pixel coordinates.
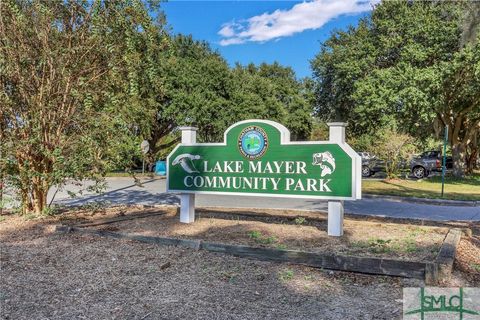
(414, 244)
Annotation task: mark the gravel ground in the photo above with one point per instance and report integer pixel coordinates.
(468, 259)
(45, 275)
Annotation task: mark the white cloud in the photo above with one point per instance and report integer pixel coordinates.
(283, 23)
(233, 40)
(227, 31)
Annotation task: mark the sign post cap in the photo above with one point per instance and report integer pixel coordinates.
(337, 124)
(188, 128)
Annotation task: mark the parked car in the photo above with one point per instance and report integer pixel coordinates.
(366, 155)
(371, 164)
(427, 162)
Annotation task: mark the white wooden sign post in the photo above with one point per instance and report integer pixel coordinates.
(187, 200)
(335, 208)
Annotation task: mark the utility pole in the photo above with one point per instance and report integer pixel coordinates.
(1, 182)
(145, 146)
(444, 164)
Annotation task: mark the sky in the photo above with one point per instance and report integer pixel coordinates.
(289, 32)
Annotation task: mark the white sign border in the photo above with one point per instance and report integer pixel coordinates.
(284, 140)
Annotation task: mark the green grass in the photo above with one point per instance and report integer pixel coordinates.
(286, 275)
(258, 237)
(300, 220)
(255, 235)
(406, 244)
(467, 188)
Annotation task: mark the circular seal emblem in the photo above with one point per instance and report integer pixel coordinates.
(252, 142)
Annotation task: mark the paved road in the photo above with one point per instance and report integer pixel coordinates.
(124, 191)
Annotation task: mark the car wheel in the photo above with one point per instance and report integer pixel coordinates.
(366, 172)
(419, 172)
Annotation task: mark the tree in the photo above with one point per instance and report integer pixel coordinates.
(393, 148)
(68, 70)
(189, 86)
(271, 91)
(199, 89)
(293, 96)
(411, 66)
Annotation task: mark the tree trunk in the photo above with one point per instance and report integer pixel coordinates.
(26, 201)
(39, 201)
(1, 191)
(472, 160)
(472, 157)
(40, 188)
(35, 199)
(458, 154)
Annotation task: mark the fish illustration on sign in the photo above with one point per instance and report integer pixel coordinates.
(185, 161)
(325, 161)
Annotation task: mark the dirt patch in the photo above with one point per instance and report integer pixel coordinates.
(45, 275)
(365, 238)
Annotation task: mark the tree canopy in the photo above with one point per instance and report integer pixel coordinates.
(69, 75)
(200, 89)
(83, 82)
(412, 66)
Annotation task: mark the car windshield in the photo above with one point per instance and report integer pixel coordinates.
(430, 154)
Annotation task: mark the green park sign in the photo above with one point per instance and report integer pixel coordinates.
(257, 158)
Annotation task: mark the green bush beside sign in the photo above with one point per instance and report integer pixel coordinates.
(257, 158)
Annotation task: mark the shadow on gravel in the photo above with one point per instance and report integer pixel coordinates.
(124, 196)
(76, 277)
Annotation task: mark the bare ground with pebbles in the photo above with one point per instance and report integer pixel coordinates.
(45, 275)
(307, 233)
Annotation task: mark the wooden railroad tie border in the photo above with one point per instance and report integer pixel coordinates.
(369, 265)
(442, 268)
(431, 272)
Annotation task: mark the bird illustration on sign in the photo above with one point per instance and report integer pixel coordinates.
(186, 162)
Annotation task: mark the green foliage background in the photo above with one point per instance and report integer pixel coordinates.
(84, 82)
(412, 66)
